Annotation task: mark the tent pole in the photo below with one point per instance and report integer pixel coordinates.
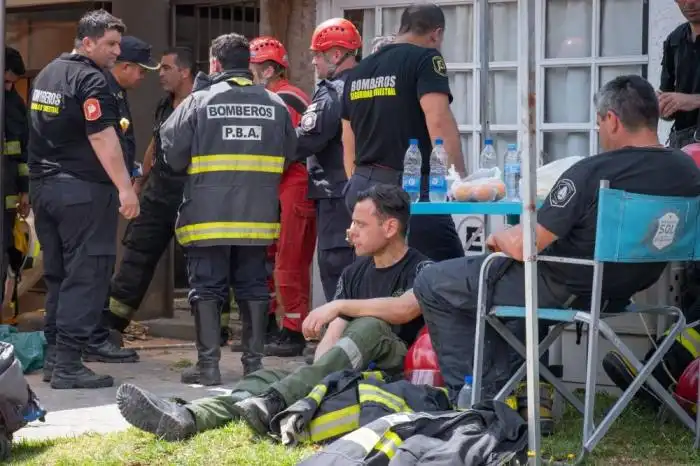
(529, 221)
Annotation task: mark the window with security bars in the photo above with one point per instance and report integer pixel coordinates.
(196, 25)
(582, 45)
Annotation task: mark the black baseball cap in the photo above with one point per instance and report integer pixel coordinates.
(134, 50)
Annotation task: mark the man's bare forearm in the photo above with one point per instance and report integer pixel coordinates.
(330, 338)
(109, 153)
(394, 311)
(444, 126)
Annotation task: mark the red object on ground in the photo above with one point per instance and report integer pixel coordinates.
(421, 364)
(693, 150)
(686, 392)
(294, 250)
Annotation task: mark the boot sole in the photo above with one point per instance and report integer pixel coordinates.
(75, 384)
(104, 359)
(253, 421)
(140, 412)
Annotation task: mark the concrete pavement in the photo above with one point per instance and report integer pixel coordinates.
(75, 412)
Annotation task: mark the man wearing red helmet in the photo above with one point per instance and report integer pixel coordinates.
(294, 251)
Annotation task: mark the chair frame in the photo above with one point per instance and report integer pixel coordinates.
(561, 318)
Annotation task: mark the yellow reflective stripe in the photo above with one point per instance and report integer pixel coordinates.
(389, 443)
(11, 201)
(334, 424)
(227, 230)
(690, 340)
(241, 81)
(236, 162)
(12, 148)
(318, 393)
(370, 393)
(374, 375)
(23, 169)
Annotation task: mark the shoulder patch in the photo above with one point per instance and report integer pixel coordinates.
(308, 121)
(439, 65)
(92, 109)
(562, 193)
(422, 265)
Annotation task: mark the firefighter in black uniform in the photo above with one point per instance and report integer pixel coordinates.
(16, 182)
(406, 78)
(148, 235)
(127, 74)
(75, 164)
(234, 139)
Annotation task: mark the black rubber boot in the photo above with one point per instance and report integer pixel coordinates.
(258, 411)
(272, 334)
(107, 351)
(69, 372)
(49, 362)
(254, 323)
(288, 345)
(169, 420)
(208, 328)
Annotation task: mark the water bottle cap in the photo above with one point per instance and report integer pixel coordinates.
(512, 146)
(468, 379)
(488, 142)
(413, 142)
(438, 141)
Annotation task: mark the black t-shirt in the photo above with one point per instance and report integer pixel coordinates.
(570, 212)
(381, 100)
(127, 139)
(363, 280)
(680, 71)
(163, 111)
(70, 100)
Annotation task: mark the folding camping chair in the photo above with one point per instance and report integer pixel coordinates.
(631, 228)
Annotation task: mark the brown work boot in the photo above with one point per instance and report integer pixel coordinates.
(546, 406)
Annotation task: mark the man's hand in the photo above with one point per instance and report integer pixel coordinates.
(672, 102)
(492, 243)
(23, 207)
(314, 322)
(138, 185)
(129, 203)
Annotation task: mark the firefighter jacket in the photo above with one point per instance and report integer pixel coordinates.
(16, 172)
(232, 138)
(344, 401)
(488, 434)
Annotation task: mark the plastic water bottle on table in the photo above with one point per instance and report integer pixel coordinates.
(438, 173)
(411, 170)
(488, 158)
(511, 171)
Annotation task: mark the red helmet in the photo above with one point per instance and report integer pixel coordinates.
(693, 150)
(266, 48)
(686, 392)
(335, 32)
(420, 366)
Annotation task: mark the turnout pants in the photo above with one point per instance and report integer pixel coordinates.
(145, 239)
(295, 247)
(76, 222)
(217, 411)
(334, 252)
(213, 269)
(433, 235)
(447, 293)
(365, 340)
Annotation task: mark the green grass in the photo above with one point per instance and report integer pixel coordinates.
(637, 438)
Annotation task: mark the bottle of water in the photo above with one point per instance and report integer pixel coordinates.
(488, 158)
(411, 170)
(438, 173)
(464, 400)
(511, 171)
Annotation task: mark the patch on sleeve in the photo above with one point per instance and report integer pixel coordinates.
(422, 265)
(92, 109)
(439, 65)
(562, 193)
(308, 121)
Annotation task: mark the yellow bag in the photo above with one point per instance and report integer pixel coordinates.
(20, 232)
